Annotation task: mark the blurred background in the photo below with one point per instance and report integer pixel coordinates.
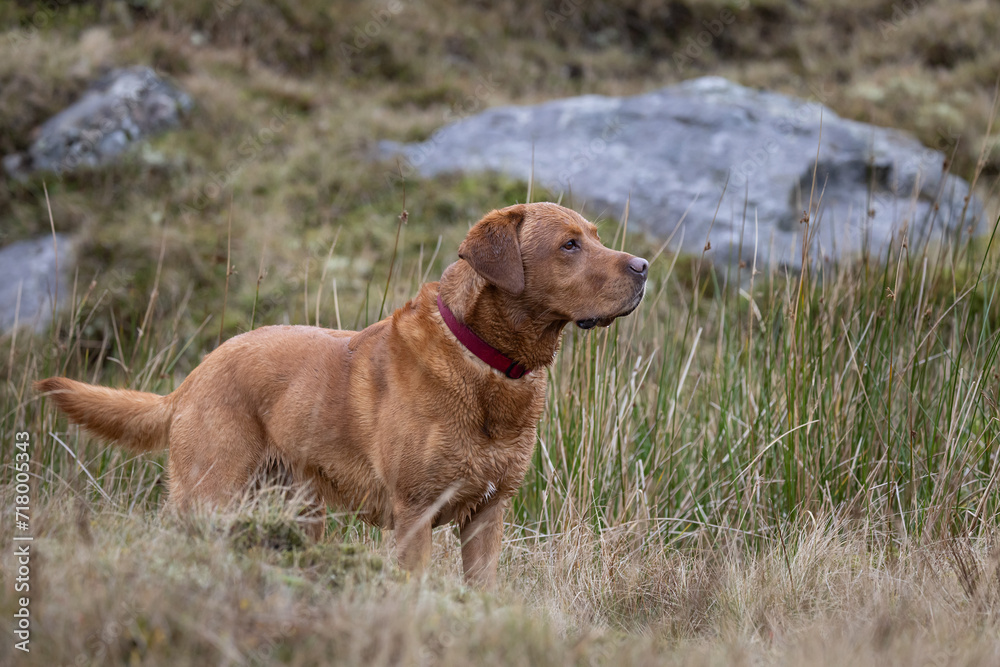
(288, 100)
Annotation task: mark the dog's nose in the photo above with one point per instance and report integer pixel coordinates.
(639, 265)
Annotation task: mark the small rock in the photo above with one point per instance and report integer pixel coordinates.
(124, 106)
(29, 267)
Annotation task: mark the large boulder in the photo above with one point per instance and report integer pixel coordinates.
(29, 280)
(724, 161)
(122, 107)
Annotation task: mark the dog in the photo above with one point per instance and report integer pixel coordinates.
(423, 418)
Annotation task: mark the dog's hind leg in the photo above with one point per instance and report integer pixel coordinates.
(214, 454)
(309, 488)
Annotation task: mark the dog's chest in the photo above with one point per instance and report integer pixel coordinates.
(499, 441)
(490, 469)
(504, 409)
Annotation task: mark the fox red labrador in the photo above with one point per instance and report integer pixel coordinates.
(423, 418)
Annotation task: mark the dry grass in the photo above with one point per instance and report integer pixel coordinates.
(117, 587)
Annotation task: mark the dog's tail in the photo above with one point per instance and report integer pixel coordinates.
(137, 420)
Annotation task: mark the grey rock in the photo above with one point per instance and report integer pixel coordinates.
(122, 107)
(29, 281)
(693, 157)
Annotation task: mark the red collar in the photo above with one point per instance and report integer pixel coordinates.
(479, 347)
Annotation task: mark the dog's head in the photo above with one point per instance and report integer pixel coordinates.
(551, 259)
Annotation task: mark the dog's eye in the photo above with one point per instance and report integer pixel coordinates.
(571, 245)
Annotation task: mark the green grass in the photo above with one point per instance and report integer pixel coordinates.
(724, 407)
(864, 389)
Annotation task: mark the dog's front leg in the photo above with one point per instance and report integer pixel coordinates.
(481, 537)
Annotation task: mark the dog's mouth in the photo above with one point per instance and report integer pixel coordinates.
(592, 322)
(606, 321)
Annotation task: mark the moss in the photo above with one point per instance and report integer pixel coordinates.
(338, 564)
(268, 533)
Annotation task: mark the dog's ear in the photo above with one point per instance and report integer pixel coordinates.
(492, 248)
